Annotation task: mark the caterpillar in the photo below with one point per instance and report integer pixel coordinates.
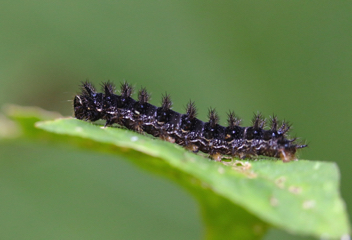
(185, 129)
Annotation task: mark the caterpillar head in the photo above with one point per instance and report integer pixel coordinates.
(88, 105)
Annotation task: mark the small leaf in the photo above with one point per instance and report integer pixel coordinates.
(301, 197)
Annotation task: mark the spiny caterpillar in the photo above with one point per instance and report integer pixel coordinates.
(185, 129)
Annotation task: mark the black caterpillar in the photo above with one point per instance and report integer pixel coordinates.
(185, 129)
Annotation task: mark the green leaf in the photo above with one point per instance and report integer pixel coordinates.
(301, 197)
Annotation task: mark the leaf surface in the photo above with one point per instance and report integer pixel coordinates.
(301, 197)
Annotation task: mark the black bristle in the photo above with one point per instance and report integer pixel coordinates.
(166, 102)
(108, 88)
(285, 127)
(262, 124)
(301, 146)
(143, 96)
(213, 117)
(191, 110)
(88, 88)
(273, 123)
(233, 120)
(126, 90)
(258, 121)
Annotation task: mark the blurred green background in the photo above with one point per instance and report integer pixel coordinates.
(291, 58)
